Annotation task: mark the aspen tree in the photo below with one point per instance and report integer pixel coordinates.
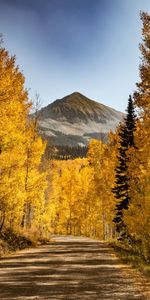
(138, 217)
(14, 108)
(22, 180)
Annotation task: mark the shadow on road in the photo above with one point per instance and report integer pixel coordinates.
(71, 269)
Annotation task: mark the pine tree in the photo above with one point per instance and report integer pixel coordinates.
(121, 188)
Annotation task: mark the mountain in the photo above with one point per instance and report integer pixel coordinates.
(75, 119)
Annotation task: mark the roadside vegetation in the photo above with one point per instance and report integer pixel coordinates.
(11, 241)
(132, 256)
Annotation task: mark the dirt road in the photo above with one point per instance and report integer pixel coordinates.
(69, 268)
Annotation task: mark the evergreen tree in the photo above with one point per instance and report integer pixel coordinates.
(121, 188)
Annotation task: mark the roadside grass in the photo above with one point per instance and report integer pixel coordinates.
(132, 257)
(11, 241)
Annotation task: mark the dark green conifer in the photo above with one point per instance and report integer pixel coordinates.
(121, 189)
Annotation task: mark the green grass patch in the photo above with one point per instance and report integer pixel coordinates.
(130, 256)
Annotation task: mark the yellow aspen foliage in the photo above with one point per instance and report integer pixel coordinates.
(22, 180)
(80, 198)
(14, 108)
(142, 95)
(138, 216)
(102, 158)
(34, 177)
(70, 196)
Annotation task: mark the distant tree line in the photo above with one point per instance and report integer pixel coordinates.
(65, 152)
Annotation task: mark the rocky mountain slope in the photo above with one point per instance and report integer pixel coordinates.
(75, 119)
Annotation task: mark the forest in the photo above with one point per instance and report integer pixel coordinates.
(104, 195)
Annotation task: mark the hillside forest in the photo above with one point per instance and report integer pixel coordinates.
(104, 195)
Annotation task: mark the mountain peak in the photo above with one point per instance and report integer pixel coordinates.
(76, 94)
(74, 116)
(75, 97)
(78, 102)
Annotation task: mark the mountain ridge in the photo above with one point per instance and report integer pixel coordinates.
(75, 119)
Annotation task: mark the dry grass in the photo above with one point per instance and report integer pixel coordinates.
(128, 255)
(11, 241)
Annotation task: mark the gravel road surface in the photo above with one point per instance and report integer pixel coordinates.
(70, 268)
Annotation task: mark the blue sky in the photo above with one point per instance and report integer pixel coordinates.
(62, 46)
